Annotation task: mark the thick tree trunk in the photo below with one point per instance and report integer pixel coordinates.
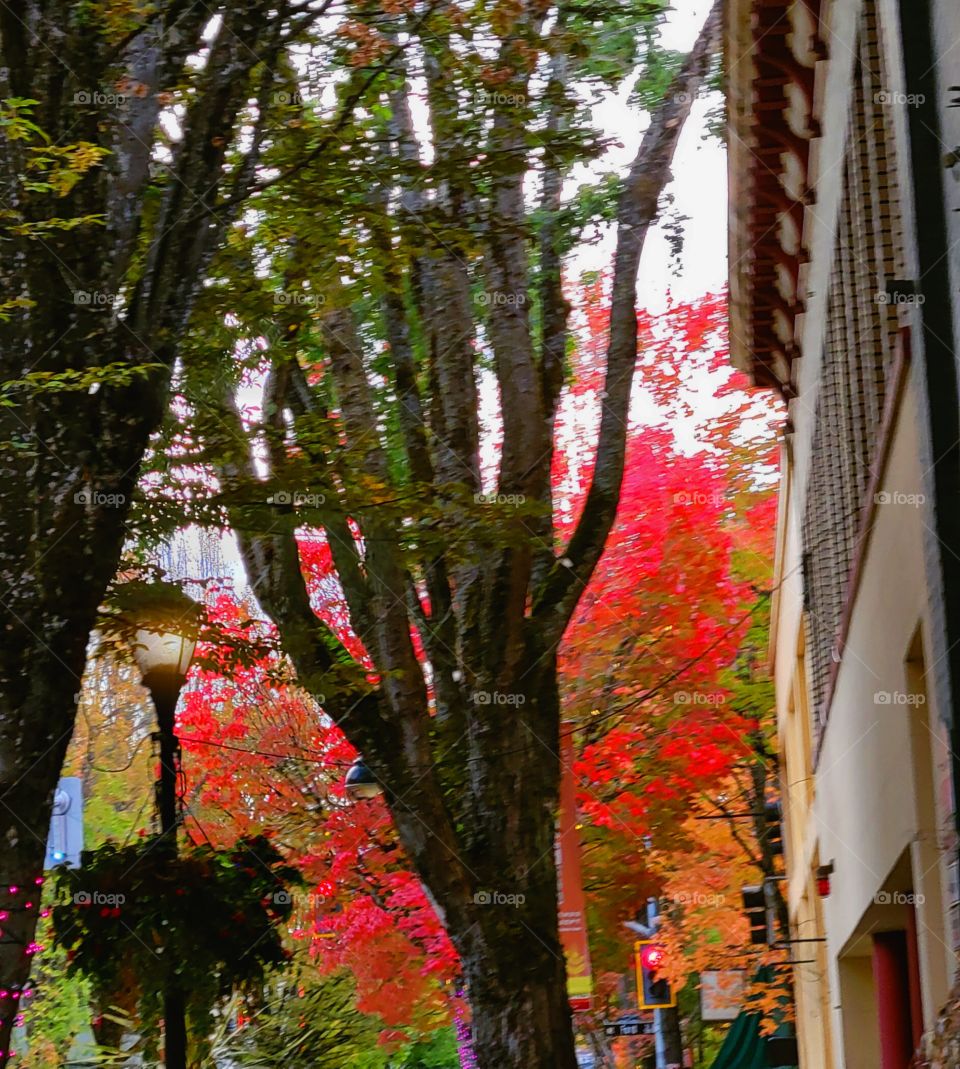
(504, 919)
(37, 704)
(517, 991)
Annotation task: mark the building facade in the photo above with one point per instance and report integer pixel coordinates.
(844, 118)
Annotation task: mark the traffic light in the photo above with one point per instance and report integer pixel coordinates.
(653, 987)
(755, 907)
(774, 829)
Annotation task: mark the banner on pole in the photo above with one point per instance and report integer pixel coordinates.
(572, 906)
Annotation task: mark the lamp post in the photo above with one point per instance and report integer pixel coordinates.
(164, 646)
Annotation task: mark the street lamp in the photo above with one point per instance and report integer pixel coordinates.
(167, 623)
(360, 783)
(163, 652)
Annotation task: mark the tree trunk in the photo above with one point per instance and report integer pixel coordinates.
(33, 742)
(517, 991)
(503, 919)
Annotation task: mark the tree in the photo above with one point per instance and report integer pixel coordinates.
(658, 628)
(129, 137)
(647, 669)
(129, 141)
(368, 441)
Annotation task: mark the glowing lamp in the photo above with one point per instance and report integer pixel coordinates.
(164, 652)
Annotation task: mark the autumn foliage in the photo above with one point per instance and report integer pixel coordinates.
(644, 673)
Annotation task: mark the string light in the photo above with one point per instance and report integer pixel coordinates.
(468, 1060)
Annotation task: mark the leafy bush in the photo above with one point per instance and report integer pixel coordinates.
(135, 919)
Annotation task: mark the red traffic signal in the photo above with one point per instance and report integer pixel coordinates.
(653, 987)
(652, 957)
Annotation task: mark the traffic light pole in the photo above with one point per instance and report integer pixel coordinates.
(666, 1022)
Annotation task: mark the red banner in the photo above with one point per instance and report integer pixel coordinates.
(573, 919)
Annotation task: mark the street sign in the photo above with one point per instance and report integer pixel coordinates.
(627, 1026)
(65, 840)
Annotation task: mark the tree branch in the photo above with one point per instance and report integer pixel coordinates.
(648, 175)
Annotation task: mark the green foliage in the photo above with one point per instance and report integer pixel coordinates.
(60, 1009)
(71, 380)
(306, 1020)
(659, 69)
(606, 38)
(46, 169)
(439, 1051)
(135, 918)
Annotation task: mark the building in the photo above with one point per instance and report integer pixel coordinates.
(844, 165)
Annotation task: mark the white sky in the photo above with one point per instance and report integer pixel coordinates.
(699, 186)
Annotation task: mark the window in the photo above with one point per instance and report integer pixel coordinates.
(859, 347)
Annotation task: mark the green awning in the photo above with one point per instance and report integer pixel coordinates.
(743, 1046)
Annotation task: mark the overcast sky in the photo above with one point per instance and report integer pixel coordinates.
(699, 186)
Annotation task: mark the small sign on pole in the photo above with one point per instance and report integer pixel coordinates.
(627, 1026)
(65, 840)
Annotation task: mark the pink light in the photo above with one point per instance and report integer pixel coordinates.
(468, 1060)
(38, 881)
(13, 888)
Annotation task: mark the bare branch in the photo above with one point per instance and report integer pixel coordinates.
(646, 180)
